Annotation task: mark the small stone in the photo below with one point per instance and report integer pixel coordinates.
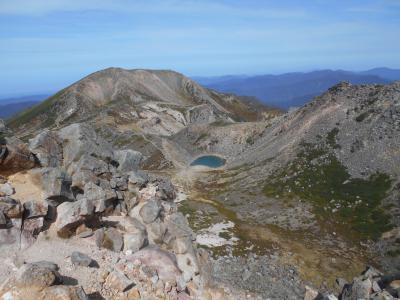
(133, 294)
(375, 287)
(83, 231)
(80, 259)
(310, 294)
(340, 282)
(118, 281)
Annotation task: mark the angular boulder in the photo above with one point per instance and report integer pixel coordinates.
(80, 139)
(70, 215)
(150, 211)
(47, 146)
(112, 240)
(56, 184)
(128, 160)
(15, 157)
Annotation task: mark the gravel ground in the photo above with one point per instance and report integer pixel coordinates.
(260, 276)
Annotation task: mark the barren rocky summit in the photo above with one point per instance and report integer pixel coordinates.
(99, 200)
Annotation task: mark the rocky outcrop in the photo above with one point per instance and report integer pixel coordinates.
(94, 193)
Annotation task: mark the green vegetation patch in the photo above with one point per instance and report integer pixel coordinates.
(331, 138)
(318, 177)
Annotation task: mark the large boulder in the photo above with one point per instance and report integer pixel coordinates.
(80, 139)
(39, 281)
(164, 262)
(55, 183)
(101, 198)
(47, 147)
(150, 211)
(135, 237)
(70, 215)
(128, 160)
(15, 156)
(33, 277)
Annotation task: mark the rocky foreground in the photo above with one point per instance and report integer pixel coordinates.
(79, 221)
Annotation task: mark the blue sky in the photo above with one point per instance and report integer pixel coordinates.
(45, 45)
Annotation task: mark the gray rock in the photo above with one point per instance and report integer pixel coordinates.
(359, 289)
(134, 241)
(47, 265)
(30, 230)
(119, 182)
(138, 178)
(128, 159)
(99, 237)
(47, 147)
(34, 209)
(112, 240)
(118, 281)
(150, 211)
(161, 260)
(36, 275)
(156, 231)
(56, 184)
(178, 226)
(11, 238)
(6, 189)
(182, 245)
(100, 198)
(70, 215)
(188, 264)
(81, 259)
(80, 139)
(135, 237)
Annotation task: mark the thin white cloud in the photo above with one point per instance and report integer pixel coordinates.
(43, 7)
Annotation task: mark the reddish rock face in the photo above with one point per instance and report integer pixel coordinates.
(15, 157)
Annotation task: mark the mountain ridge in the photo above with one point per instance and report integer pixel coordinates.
(295, 88)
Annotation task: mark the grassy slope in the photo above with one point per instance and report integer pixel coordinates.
(319, 178)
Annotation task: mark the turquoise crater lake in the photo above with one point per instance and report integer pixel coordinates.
(210, 161)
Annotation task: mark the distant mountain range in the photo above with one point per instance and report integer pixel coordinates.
(281, 91)
(12, 106)
(294, 89)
